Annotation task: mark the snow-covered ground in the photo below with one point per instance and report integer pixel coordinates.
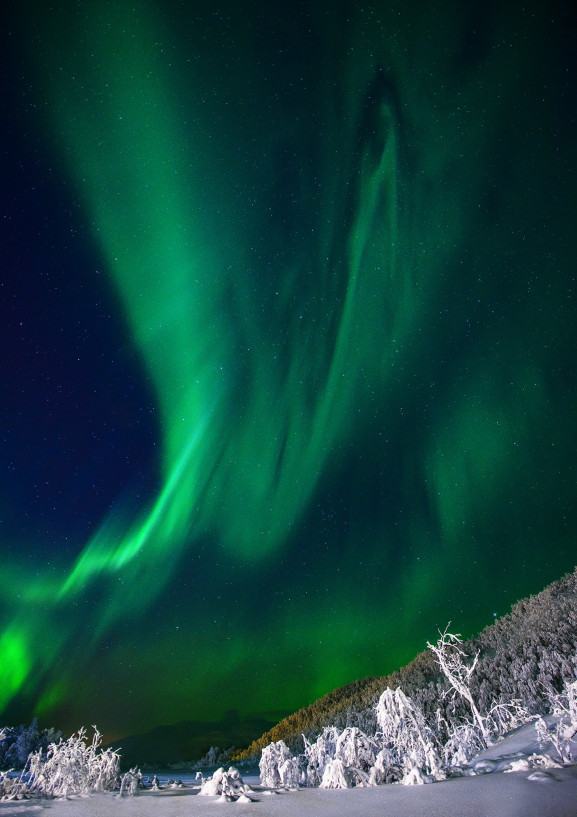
(492, 795)
(491, 792)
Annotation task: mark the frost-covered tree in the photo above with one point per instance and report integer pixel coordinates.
(290, 773)
(336, 775)
(338, 761)
(564, 729)
(405, 734)
(355, 749)
(386, 768)
(26, 742)
(274, 756)
(463, 743)
(319, 753)
(452, 661)
(214, 757)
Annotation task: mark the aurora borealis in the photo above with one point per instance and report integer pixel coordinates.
(288, 345)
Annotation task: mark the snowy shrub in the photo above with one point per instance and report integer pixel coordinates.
(318, 754)
(228, 785)
(213, 785)
(411, 743)
(385, 769)
(503, 717)
(336, 776)
(355, 749)
(464, 742)
(232, 783)
(73, 767)
(564, 707)
(273, 757)
(13, 787)
(290, 773)
(338, 761)
(130, 783)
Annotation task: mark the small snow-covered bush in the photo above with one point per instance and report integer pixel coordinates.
(274, 756)
(13, 787)
(465, 741)
(212, 786)
(564, 707)
(336, 775)
(130, 782)
(228, 785)
(385, 769)
(73, 766)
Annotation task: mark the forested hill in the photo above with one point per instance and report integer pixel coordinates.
(524, 654)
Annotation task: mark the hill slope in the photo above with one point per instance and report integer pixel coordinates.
(522, 655)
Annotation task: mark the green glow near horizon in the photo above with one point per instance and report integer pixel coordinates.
(389, 339)
(16, 663)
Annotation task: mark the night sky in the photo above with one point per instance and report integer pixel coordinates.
(287, 344)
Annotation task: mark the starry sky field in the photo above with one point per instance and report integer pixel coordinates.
(287, 344)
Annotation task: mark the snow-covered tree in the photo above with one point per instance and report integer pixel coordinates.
(336, 775)
(452, 661)
(386, 768)
(463, 743)
(338, 761)
(290, 773)
(563, 731)
(26, 742)
(318, 754)
(406, 735)
(355, 749)
(214, 757)
(273, 757)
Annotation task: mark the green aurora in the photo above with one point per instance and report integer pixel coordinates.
(339, 250)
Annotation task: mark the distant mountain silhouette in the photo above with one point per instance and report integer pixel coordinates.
(190, 740)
